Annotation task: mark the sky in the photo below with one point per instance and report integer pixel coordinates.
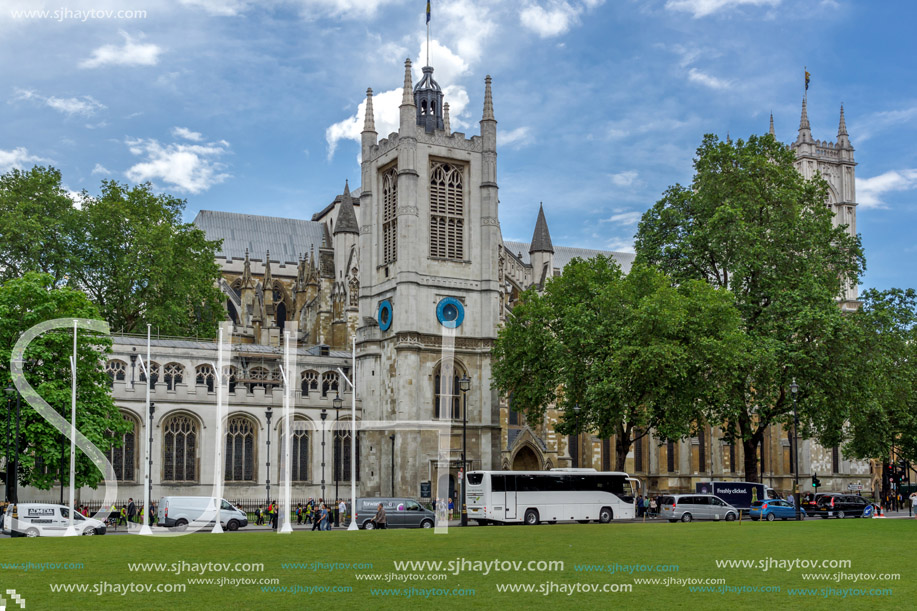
(256, 106)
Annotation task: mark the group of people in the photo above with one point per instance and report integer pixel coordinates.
(123, 516)
(317, 513)
(647, 506)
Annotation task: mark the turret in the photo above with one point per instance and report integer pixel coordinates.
(407, 107)
(428, 100)
(369, 135)
(805, 130)
(541, 251)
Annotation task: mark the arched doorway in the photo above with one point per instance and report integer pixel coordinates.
(526, 460)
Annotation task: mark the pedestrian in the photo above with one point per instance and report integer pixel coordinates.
(342, 510)
(299, 514)
(325, 519)
(451, 507)
(639, 505)
(317, 517)
(131, 510)
(259, 516)
(274, 513)
(379, 520)
(653, 507)
(122, 517)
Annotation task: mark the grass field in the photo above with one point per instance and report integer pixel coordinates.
(689, 551)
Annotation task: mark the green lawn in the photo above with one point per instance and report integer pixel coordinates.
(872, 546)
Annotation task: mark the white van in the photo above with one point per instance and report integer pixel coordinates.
(180, 511)
(46, 520)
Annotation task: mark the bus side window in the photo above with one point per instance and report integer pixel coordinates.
(498, 483)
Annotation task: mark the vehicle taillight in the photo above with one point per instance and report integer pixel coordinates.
(764, 506)
(167, 512)
(673, 505)
(832, 501)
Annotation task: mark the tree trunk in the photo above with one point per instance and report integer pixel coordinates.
(750, 447)
(622, 447)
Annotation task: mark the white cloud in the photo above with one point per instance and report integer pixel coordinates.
(77, 197)
(129, 54)
(219, 7)
(624, 218)
(556, 19)
(620, 245)
(191, 168)
(85, 105)
(871, 190)
(187, 134)
(16, 158)
(101, 169)
(516, 138)
(702, 78)
(624, 179)
(702, 8)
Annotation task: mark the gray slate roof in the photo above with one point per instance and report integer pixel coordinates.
(564, 254)
(287, 239)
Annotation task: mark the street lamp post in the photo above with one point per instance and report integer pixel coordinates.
(268, 413)
(794, 388)
(464, 386)
(576, 409)
(9, 412)
(12, 476)
(149, 513)
(338, 403)
(324, 416)
(392, 437)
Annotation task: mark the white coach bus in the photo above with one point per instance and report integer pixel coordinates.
(582, 495)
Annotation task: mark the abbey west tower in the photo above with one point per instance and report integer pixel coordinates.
(429, 246)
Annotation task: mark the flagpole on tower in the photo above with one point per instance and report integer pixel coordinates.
(428, 32)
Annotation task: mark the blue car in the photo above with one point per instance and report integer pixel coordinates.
(773, 509)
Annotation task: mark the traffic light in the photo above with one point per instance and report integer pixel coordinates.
(815, 481)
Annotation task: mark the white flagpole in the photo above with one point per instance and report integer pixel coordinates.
(145, 529)
(218, 468)
(70, 530)
(353, 435)
(287, 493)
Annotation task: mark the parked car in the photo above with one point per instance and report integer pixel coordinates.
(774, 509)
(841, 506)
(810, 500)
(688, 507)
(399, 513)
(46, 520)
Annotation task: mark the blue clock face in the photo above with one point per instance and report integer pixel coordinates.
(450, 313)
(385, 315)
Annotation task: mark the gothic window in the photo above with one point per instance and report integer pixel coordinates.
(116, 370)
(205, 377)
(154, 374)
(835, 460)
(232, 378)
(329, 382)
(179, 440)
(638, 453)
(240, 450)
(443, 389)
(300, 452)
(260, 377)
(447, 211)
(172, 375)
(342, 449)
(701, 451)
(123, 458)
(354, 291)
(670, 456)
(390, 216)
(309, 381)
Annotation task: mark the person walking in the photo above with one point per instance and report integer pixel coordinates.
(274, 514)
(342, 510)
(653, 507)
(325, 520)
(299, 514)
(379, 520)
(259, 516)
(317, 517)
(131, 510)
(451, 507)
(122, 517)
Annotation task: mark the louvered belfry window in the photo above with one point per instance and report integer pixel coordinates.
(447, 211)
(390, 215)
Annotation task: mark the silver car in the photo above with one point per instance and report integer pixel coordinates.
(688, 507)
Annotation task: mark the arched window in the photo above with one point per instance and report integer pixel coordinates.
(116, 370)
(390, 216)
(260, 377)
(443, 389)
(123, 454)
(154, 374)
(172, 375)
(205, 376)
(281, 316)
(341, 457)
(232, 378)
(329, 382)
(179, 442)
(240, 450)
(447, 211)
(309, 381)
(302, 435)
(231, 310)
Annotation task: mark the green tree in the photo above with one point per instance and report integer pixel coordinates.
(25, 302)
(37, 223)
(140, 263)
(632, 352)
(884, 423)
(752, 224)
(127, 248)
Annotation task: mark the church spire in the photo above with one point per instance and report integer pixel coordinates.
(541, 239)
(446, 125)
(247, 280)
(771, 132)
(407, 98)
(488, 100)
(347, 218)
(842, 128)
(268, 278)
(369, 122)
(805, 131)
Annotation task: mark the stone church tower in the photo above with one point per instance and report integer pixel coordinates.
(430, 300)
(834, 161)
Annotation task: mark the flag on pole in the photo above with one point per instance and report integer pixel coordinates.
(808, 75)
(428, 11)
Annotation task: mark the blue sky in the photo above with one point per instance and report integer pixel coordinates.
(253, 107)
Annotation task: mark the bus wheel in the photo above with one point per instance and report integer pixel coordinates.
(531, 517)
(605, 515)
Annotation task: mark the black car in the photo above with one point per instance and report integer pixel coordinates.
(840, 506)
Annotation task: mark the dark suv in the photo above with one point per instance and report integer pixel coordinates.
(840, 506)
